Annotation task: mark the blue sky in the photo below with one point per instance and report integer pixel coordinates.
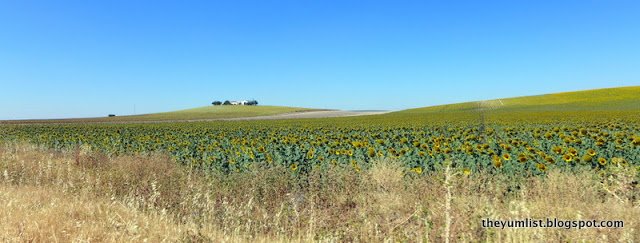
(91, 58)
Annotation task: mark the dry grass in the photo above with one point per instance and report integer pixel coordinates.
(83, 196)
(42, 215)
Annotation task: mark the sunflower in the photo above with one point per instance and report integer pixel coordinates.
(503, 146)
(506, 156)
(542, 167)
(497, 161)
(591, 152)
(424, 146)
(616, 160)
(573, 152)
(357, 144)
(557, 149)
(371, 152)
(587, 158)
(311, 153)
(623, 162)
(417, 170)
(567, 157)
(294, 167)
(466, 171)
(549, 159)
(602, 161)
(491, 152)
(522, 158)
(355, 165)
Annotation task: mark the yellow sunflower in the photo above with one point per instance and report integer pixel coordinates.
(573, 152)
(617, 160)
(497, 161)
(371, 152)
(522, 158)
(557, 149)
(466, 171)
(542, 167)
(417, 170)
(602, 161)
(549, 159)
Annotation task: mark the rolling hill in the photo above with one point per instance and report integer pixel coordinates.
(588, 105)
(609, 99)
(194, 114)
(623, 102)
(215, 112)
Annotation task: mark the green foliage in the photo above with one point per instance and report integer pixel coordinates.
(516, 148)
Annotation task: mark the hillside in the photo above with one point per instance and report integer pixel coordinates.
(610, 99)
(200, 113)
(598, 104)
(216, 112)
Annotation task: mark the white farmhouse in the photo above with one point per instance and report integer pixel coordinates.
(244, 102)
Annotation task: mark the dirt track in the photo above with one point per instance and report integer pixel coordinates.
(308, 114)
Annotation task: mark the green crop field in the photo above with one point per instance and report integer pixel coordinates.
(200, 113)
(523, 136)
(610, 99)
(581, 106)
(214, 112)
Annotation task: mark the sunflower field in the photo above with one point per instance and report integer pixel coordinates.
(518, 148)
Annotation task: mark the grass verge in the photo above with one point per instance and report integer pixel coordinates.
(81, 195)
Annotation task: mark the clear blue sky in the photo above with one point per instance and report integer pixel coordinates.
(91, 58)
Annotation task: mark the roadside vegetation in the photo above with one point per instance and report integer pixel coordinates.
(83, 195)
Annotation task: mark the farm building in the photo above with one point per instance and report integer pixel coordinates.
(241, 102)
